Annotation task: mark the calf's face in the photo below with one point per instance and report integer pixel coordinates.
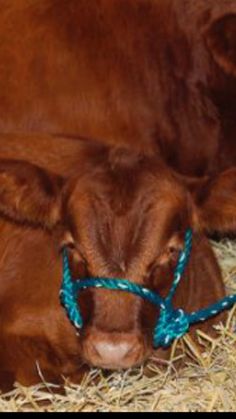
(124, 217)
(127, 222)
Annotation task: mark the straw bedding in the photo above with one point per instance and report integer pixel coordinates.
(206, 383)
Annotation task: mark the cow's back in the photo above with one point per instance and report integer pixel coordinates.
(78, 68)
(123, 72)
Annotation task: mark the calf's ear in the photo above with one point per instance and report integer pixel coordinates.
(221, 40)
(29, 194)
(215, 200)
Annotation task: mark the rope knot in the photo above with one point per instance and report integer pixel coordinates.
(171, 325)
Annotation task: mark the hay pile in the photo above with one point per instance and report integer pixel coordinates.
(206, 383)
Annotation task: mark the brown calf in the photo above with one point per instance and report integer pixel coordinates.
(154, 83)
(121, 214)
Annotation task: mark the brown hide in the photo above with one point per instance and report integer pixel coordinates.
(152, 74)
(121, 215)
(117, 132)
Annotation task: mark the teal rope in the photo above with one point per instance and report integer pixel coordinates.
(182, 263)
(171, 324)
(68, 294)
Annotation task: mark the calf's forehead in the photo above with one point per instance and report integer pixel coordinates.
(114, 208)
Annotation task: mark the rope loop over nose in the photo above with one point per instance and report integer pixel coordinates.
(172, 323)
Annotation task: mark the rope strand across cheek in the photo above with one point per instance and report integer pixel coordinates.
(172, 323)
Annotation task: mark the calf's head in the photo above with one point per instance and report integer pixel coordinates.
(123, 215)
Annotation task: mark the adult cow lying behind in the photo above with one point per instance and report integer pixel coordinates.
(121, 214)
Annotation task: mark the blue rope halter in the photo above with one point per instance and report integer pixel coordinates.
(171, 324)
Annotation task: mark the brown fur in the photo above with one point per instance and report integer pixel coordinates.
(114, 228)
(153, 84)
(152, 74)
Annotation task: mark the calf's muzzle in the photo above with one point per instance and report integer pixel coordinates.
(113, 350)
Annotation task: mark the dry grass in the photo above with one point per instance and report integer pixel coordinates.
(207, 383)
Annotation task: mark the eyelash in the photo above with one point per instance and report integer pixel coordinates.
(70, 246)
(173, 251)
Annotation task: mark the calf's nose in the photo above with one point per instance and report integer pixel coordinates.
(113, 350)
